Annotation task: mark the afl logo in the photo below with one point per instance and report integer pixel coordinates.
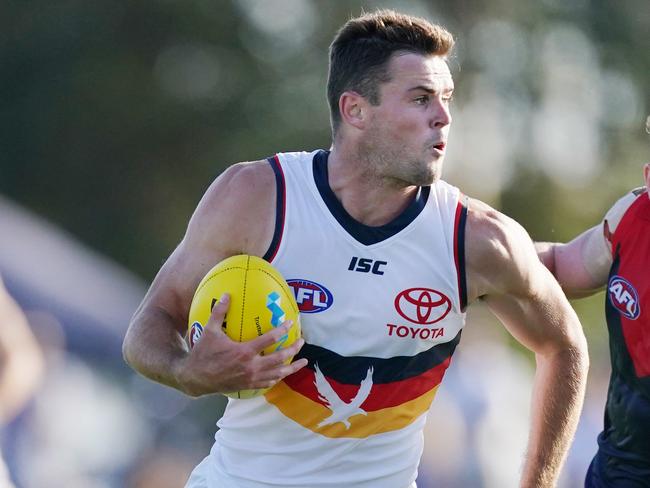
(195, 333)
(422, 305)
(624, 297)
(311, 297)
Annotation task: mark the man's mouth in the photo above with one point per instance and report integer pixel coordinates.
(440, 146)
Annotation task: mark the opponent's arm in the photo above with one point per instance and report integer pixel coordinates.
(21, 360)
(580, 266)
(503, 269)
(236, 215)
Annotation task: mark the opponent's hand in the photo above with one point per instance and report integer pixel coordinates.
(217, 364)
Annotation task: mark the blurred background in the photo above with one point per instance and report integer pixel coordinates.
(116, 116)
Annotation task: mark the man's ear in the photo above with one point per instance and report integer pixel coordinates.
(646, 174)
(352, 108)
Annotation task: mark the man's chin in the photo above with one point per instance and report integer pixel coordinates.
(432, 175)
(427, 180)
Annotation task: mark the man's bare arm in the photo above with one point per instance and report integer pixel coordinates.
(236, 215)
(580, 266)
(503, 269)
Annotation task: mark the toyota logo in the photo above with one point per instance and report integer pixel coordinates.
(422, 305)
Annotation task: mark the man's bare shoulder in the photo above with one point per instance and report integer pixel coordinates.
(242, 184)
(498, 250)
(491, 234)
(238, 208)
(236, 215)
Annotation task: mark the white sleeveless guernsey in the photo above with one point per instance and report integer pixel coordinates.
(382, 309)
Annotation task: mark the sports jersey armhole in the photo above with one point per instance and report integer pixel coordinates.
(280, 204)
(459, 249)
(616, 220)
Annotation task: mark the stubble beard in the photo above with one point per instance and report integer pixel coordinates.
(425, 172)
(389, 162)
(393, 166)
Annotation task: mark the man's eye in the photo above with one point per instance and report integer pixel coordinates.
(422, 100)
(448, 98)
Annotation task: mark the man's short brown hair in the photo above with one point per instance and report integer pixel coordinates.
(362, 48)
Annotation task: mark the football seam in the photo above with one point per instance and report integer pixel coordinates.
(243, 302)
(241, 315)
(216, 273)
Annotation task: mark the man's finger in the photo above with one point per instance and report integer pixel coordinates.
(280, 372)
(279, 357)
(271, 337)
(218, 314)
(293, 349)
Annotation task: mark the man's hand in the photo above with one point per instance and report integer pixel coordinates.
(217, 364)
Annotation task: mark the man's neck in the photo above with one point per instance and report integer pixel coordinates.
(367, 197)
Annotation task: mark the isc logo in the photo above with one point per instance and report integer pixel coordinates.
(366, 265)
(311, 297)
(623, 296)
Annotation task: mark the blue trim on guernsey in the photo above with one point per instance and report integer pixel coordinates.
(351, 370)
(365, 234)
(460, 250)
(279, 209)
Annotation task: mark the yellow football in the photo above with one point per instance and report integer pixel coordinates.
(260, 300)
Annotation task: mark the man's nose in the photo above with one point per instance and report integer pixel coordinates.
(441, 116)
